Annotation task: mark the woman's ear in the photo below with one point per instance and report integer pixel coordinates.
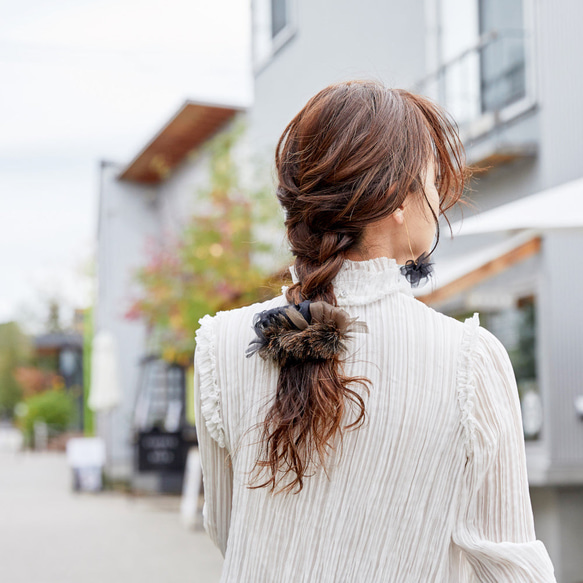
(399, 216)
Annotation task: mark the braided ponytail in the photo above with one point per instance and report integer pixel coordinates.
(312, 392)
(350, 157)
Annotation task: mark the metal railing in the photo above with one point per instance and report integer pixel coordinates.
(486, 78)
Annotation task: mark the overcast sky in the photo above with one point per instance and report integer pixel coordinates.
(85, 80)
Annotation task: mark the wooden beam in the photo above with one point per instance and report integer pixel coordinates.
(483, 272)
(502, 155)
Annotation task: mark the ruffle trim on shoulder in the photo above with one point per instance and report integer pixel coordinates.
(210, 399)
(465, 380)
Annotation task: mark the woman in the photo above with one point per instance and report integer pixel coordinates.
(348, 432)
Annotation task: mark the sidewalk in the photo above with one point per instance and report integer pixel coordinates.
(48, 534)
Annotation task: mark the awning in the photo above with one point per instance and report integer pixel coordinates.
(559, 207)
(524, 220)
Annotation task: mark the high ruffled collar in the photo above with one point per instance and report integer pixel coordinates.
(361, 282)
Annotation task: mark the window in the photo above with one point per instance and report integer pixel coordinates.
(483, 59)
(503, 60)
(516, 329)
(279, 16)
(274, 25)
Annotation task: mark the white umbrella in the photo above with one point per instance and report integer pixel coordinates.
(105, 390)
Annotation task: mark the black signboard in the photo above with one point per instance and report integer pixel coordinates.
(161, 451)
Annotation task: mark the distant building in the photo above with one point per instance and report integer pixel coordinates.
(140, 203)
(61, 352)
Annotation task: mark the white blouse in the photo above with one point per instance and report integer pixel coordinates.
(433, 488)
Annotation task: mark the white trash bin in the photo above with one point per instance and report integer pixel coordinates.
(86, 456)
(191, 489)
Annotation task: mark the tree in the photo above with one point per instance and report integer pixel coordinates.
(54, 316)
(212, 265)
(15, 351)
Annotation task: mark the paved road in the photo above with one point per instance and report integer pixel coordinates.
(49, 534)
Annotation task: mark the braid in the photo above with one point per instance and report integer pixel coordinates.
(316, 267)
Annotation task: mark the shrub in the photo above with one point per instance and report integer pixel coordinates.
(55, 407)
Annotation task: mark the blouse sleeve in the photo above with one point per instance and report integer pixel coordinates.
(216, 471)
(494, 529)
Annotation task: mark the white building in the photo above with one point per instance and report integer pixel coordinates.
(140, 203)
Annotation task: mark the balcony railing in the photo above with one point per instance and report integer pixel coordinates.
(485, 84)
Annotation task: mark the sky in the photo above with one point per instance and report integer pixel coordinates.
(89, 80)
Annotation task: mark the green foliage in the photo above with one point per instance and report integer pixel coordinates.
(55, 407)
(523, 357)
(88, 418)
(15, 350)
(209, 266)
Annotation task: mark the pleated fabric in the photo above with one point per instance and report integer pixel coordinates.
(432, 488)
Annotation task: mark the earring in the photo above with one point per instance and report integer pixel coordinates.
(417, 270)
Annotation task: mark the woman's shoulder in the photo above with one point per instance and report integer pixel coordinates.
(457, 327)
(235, 326)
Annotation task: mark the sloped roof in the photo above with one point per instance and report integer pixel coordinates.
(52, 340)
(455, 275)
(193, 124)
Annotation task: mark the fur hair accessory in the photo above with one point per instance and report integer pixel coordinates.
(311, 331)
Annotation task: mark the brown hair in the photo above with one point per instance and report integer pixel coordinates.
(350, 157)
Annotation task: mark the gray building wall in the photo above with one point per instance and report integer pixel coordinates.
(127, 218)
(335, 42)
(564, 328)
(178, 195)
(560, 45)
